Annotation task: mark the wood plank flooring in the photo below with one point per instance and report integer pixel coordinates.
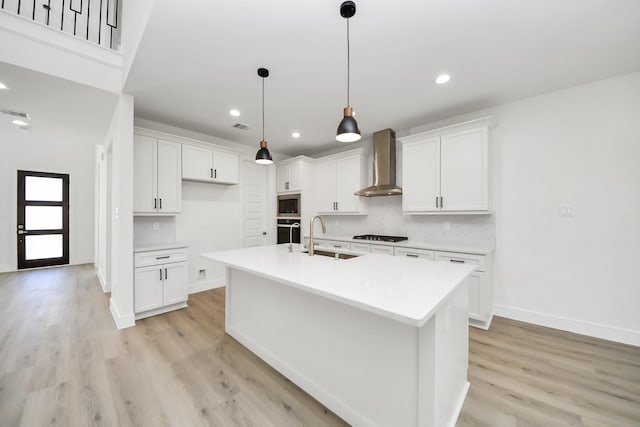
(63, 362)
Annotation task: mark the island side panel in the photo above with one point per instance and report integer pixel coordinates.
(441, 400)
(362, 366)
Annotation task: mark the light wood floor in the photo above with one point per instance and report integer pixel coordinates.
(62, 362)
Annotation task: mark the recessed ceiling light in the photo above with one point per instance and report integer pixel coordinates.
(20, 123)
(442, 79)
(234, 113)
(296, 134)
(3, 86)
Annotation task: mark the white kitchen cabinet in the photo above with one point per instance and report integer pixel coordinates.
(289, 177)
(361, 247)
(446, 171)
(480, 287)
(413, 253)
(160, 281)
(337, 178)
(209, 165)
(157, 171)
(381, 249)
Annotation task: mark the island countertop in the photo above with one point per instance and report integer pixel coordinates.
(404, 289)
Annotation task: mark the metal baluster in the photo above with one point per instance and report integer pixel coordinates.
(62, 17)
(75, 16)
(100, 25)
(88, 14)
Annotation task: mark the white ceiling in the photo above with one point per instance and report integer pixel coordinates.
(56, 106)
(197, 60)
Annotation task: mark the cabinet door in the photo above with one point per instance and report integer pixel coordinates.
(361, 247)
(197, 163)
(413, 253)
(325, 186)
(348, 182)
(169, 177)
(175, 282)
(464, 174)
(225, 167)
(282, 178)
(421, 175)
(148, 288)
(477, 308)
(144, 175)
(295, 177)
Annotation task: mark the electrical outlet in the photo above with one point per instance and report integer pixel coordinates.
(566, 211)
(446, 225)
(156, 226)
(202, 274)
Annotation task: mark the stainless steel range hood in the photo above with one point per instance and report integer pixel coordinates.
(384, 166)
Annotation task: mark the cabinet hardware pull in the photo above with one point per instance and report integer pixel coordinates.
(160, 203)
(437, 202)
(163, 257)
(155, 203)
(165, 274)
(160, 274)
(215, 173)
(412, 255)
(211, 172)
(441, 202)
(458, 261)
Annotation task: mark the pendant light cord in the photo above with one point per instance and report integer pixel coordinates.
(348, 64)
(263, 108)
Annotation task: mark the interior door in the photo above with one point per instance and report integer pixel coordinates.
(254, 180)
(43, 219)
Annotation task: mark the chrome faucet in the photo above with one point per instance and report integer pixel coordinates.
(324, 230)
(291, 227)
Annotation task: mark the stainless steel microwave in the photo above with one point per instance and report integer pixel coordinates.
(289, 205)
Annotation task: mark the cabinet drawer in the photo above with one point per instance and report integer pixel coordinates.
(163, 256)
(334, 244)
(452, 257)
(413, 253)
(361, 247)
(384, 250)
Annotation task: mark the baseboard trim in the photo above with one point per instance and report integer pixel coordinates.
(596, 330)
(205, 285)
(103, 283)
(121, 321)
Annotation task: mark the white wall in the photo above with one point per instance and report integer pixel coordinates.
(135, 16)
(119, 142)
(46, 150)
(577, 147)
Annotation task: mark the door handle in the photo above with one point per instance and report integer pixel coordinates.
(437, 202)
(22, 232)
(160, 274)
(211, 172)
(155, 203)
(441, 202)
(215, 173)
(165, 274)
(264, 233)
(160, 203)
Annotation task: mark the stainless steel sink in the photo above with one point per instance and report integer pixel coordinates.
(332, 254)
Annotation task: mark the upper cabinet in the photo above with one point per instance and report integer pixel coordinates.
(209, 165)
(157, 172)
(289, 177)
(337, 178)
(447, 170)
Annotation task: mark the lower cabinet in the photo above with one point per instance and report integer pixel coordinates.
(160, 282)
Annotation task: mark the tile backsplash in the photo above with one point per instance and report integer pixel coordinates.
(384, 216)
(144, 234)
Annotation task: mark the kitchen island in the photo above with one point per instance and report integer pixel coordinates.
(381, 341)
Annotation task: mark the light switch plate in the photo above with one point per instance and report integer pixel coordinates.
(156, 226)
(566, 211)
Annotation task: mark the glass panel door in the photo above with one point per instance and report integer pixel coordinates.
(43, 219)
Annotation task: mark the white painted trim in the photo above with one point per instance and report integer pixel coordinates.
(458, 406)
(596, 330)
(78, 261)
(206, 285)
(13, 269)
(161, 310)
(103, 283)
(6, 268)
(152, 133)
(121, 321)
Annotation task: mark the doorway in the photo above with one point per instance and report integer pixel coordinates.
(43, 219)
(254, 179)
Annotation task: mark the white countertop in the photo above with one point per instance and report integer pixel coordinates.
(146, 247)
(404, 289)
(466, 249)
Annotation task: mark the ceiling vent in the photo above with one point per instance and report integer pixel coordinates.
(241, 126)
(16, 114)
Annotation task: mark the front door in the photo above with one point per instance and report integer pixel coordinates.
(43, 219)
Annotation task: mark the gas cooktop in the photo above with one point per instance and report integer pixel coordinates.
(380, 238)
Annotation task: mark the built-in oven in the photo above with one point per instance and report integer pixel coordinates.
(289, 205)
(286, 228)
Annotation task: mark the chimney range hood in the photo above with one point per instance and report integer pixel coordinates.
(384, 166)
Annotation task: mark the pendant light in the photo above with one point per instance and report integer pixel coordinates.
(263, 157)
(348, 128)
